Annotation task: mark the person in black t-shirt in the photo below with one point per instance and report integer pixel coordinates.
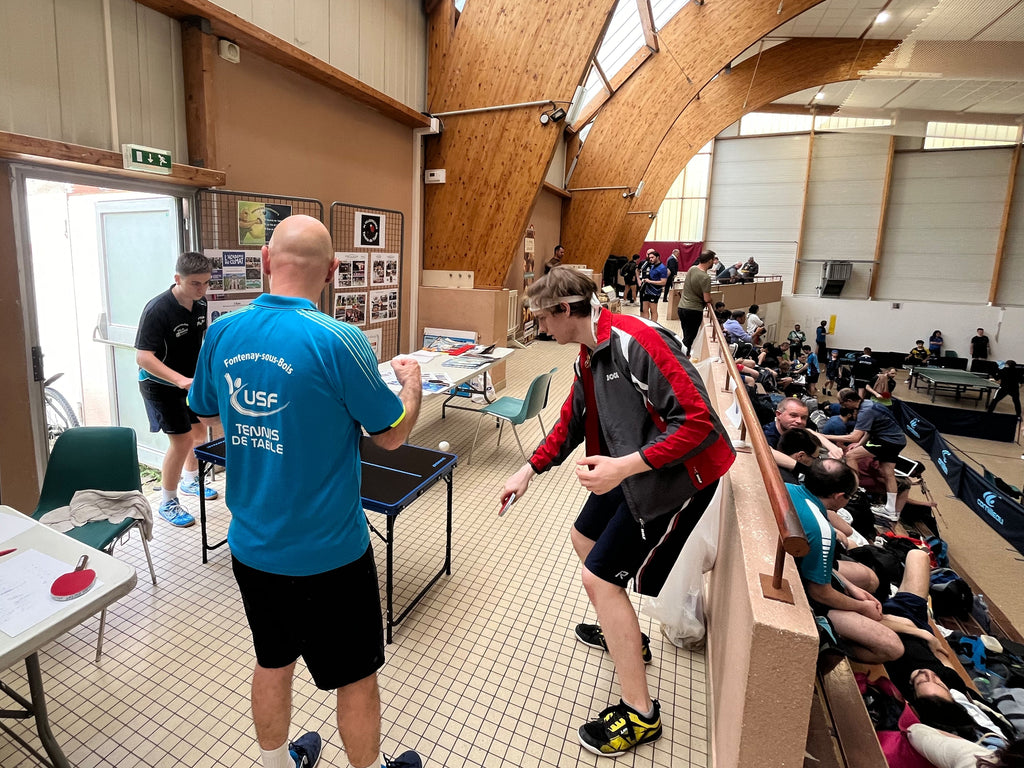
(170, 333)
(979, 346)
(1009, 377)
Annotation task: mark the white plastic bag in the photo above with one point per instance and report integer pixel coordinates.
(478, 385)
(680, 604)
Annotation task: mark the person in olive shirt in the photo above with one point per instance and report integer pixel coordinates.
(696, 294)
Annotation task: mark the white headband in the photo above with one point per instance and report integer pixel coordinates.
(555, 301)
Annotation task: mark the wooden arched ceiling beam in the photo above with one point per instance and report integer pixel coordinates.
(495, 162)
(630, 126)
(784, 69)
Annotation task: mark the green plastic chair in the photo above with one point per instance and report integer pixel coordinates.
(1002, 485)
(516, 411)
(101, 459)
(950, 353)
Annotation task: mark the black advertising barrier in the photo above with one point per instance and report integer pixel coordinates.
(1004, 515)
(969, 423)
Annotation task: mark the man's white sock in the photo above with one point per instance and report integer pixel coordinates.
(167, 494)
(189, 476)
(890, 503)
(277, 758)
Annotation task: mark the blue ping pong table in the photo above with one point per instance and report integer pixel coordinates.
(392, 481)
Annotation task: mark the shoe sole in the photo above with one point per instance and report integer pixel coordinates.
(600, 647)
(189, 524)
(183, 492)
(594, 750)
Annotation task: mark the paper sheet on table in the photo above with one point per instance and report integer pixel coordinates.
(25, 599)
(424, 355)
(12, 525)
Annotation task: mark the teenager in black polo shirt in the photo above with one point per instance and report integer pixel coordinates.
(170, 333)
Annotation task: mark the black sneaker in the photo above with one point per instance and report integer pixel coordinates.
(407, 759)
(618, 729)
(591, 634)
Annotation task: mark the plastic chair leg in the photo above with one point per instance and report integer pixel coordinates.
(501, 428)
(515, 432)
(145, 546)
(543, 431)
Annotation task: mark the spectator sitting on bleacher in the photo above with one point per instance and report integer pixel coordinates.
(918, 355)
(791, 413)
(842, 423)
(853, 611)
(734, 330)
(923, 673)
(721, 312)
(755, 325)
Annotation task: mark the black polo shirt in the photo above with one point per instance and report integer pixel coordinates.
(173, 333)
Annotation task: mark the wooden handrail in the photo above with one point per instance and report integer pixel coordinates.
(791, 533)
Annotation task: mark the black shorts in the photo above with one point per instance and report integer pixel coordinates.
(167, 408)
(332, 620)
(909, 606)
(623, 551)
(885, 452)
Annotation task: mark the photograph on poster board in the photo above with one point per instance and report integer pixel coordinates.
(369, 230)
(443, 339)
(351, 270)
(217, 308)
(384, 270)
(383, 305)
(235, 271)
(375, 336)
(350, 308)
(257, 221)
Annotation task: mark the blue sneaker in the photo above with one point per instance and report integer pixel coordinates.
(305, 750)
(192, 489)
(175, 514)
(405, 760)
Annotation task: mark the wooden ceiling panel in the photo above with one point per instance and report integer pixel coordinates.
(495, 162)
(785, 69)
(695, 45)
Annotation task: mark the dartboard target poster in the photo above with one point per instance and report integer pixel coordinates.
(369, 230)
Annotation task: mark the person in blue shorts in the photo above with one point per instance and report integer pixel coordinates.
(293, 389)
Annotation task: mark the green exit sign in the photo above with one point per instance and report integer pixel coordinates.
(148, 159)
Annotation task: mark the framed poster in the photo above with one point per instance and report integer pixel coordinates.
(257, 221)
(369, 230)
(351, 270)
(350, 308)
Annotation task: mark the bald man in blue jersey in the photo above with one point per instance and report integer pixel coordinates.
(294, 388)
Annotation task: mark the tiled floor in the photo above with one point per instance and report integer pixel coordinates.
(484, 672)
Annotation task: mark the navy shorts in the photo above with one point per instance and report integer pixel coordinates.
(332, 620)
(909, 606)
(167, 408)
(623, 550)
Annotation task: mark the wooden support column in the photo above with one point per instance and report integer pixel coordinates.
(803, 211)
(883, 215)
(198, 51)
(997, 267)
(694, 45)
(792, 66)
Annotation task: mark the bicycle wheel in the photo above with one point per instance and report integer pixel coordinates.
(60, 416)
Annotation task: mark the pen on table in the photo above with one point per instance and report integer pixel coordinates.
(7, 551)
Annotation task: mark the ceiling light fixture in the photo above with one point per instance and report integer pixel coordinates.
(819, 95)
(882, 17)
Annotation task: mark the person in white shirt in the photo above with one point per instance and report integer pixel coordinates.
(755, 325)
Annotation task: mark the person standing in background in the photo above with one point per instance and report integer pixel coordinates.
(979, 346)
(935, 342)
(820, 334)
(796, 340)
(672, 265)
(651, 276)
(695, 296)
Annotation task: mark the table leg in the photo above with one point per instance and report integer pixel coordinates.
(35, 687)
(389, 575)
(448, 546)
(202, 506)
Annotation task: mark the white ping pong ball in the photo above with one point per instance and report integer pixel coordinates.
(443, 445)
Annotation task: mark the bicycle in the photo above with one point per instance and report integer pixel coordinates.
(60, 416)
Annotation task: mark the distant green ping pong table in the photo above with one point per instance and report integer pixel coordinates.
(954, 382)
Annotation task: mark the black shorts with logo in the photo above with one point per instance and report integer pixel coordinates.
(167, 408)
(623, 550)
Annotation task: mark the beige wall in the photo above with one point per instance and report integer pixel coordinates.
(279, 133)
(546, 218)
(761, 652)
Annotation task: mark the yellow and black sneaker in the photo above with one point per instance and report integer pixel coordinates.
(620, 728)
(591, 634)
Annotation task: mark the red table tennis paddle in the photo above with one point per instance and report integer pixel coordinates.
(77, 582)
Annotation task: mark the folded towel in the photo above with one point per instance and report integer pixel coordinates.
(113, 506)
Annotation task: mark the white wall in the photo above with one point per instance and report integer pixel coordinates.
(755, 201)
(382, 43)
(939, 241)
(875, 324)
(55, 82)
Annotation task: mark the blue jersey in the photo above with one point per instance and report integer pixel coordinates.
(835, 426)
(292, 387)
(816, 566)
